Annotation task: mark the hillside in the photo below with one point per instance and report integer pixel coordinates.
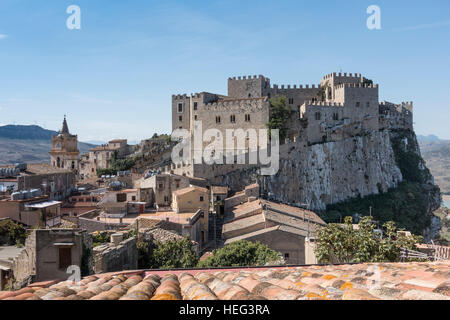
(21, 143)
(436, 153)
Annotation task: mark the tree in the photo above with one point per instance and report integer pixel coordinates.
(177, 253)
(279, 115)
(12, 233)
(343, 243)
(322, 91)
(241, 253)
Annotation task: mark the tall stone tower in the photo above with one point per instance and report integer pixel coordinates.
(64, 153)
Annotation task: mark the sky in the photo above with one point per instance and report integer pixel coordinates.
(114, 77)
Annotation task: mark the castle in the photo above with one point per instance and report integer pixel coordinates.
(341, 106)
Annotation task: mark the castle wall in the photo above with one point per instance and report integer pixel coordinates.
(248, 87)
(396, 116)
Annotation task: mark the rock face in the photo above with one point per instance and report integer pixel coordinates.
(328, 173)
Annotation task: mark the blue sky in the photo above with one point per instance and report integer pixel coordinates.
(114, 78)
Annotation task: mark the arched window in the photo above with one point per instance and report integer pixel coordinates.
(73, 165)
(58, 162)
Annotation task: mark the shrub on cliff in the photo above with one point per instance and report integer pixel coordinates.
(279, 115)
(241, 253)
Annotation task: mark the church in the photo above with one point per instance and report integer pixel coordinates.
(65, 153)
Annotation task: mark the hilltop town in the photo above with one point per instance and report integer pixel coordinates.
(339, 143)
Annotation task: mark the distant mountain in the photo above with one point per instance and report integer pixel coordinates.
(429, 138)
(31, 132)
(436, 153)
(22, 143)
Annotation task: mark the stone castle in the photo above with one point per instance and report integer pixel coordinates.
(341, 106)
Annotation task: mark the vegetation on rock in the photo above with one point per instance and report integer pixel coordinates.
(410, 204)
(279, 115)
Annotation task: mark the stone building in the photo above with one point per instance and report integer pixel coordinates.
(285, 229)
(33, 212)
(100, 157)
(64, 152)
(341, 106)
(162, 186)
(48, 253)
(57, 183)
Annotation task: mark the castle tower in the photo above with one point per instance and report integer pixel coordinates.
(64, 153)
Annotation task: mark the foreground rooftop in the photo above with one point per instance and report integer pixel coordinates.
(373, 281)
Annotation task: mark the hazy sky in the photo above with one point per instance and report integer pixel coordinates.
(114, 78)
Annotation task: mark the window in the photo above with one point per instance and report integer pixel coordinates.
(160, 186)
(217, 119)
(358, 104)
(177, 183)
(335, 116)
(195, 105)
(195, 117)
(180, 118)
(317, 115)
(233, 118)
(291, 100)
(368, 104)
(73, 165)
(286, 256)
(268, 95)
(166, 198)
(247, 118)
(249, 95)
(65, 258)
(180, 107)
(121, 197)
(133, 198)
(201, 199)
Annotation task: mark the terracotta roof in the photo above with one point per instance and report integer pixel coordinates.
(267, 230)
(219, 190)
(162, 235)
(189, 189)
(295, 211)
(372, 281)
(252, 213)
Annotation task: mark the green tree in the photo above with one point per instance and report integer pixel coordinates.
(322, 91)
(178, 253)
(343, 243)
(12, 233)
(241, 253)
(279, 115)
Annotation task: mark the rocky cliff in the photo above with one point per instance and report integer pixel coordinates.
(327, 173)
(371, 165)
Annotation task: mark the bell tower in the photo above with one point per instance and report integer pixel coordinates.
(64, 153)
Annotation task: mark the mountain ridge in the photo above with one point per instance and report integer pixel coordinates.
(29, 143)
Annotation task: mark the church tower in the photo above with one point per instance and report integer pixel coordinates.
(64, 153)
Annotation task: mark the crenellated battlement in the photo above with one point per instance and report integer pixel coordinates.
(323, 104)
(289, 87)
(236, 104)
(342, 75)
(355, 85)
(179, 96)
(246, 77)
